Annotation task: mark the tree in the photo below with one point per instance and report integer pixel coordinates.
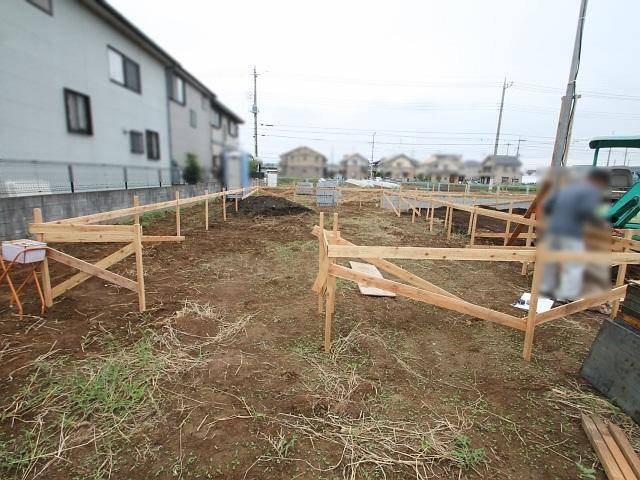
(253, 165)
(192, 172)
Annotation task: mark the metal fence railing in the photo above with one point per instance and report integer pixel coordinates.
(37, 177)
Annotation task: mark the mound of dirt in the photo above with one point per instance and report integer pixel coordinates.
(270, 206)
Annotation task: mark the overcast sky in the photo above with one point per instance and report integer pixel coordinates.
(425, 75)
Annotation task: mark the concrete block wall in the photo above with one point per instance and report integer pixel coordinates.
(17, 212)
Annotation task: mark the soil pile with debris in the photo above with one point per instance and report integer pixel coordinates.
(270, 206)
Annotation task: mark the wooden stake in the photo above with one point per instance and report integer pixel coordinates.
(508, 229)
(533, 304)
(224, 204)
(413, 216)
(622, 271)
(46, 277)
(178, 214)
(320, 259)
(450, 226)
(206, 210)
(236, 203)
(525, 266)
(136, 203)
(142, 303)
(473, 204)
(329, 308)
(433, 212)
(474, 221)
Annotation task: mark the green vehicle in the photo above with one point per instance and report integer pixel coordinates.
(625, 185)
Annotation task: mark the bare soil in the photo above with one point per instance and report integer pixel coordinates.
(403, 361)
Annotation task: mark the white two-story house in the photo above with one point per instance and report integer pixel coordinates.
(86, 100)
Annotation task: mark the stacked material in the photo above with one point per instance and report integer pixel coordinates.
(612, 364)
(619, 460)
(327, 193)
(629, 313)
(304, 188)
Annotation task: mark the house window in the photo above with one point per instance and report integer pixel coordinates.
(177, 90)
(515, 180)
(193, 118)
(44, 5)
(136, 140)
(505, 180)
(78, 108)
(205, 101)
(153, 145)
(123, 70)
(216, 119)
(233, 129)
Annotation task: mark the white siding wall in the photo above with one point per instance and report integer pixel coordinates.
(42, 54)
(186, 139)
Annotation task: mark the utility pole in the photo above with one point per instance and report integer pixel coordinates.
(504, 89)
(373, 144)
(254, 110)
(567, 107)
(518, 150)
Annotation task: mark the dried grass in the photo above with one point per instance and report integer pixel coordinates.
(576, 399)
(105, 399)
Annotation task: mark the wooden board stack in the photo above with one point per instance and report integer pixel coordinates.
(619, 460)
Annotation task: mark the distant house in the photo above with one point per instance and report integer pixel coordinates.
(471, 170)
(398, 167)
(303, 162)
(442, 168)
(354, 166)
(501, 169)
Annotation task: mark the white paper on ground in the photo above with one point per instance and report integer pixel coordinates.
(544, 304)
(369, 269)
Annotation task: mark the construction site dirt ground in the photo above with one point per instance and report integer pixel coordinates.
(224, 375)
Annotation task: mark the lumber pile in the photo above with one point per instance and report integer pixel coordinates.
(618, 459)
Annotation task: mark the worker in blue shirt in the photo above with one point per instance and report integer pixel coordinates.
(568, 211)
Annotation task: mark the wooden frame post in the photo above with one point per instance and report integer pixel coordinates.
(400, 201)
(331, 292)
(538, 268)
(142, 303)
(508, 229)
(474, 222)
(433, 212)
(46, 277)
(136, 203)
(224, 204)
(178, 214)
(525, 265)
(622, 271)
(473, 204)
(320, 260)
(206, 210)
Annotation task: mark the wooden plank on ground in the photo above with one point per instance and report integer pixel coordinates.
(618, 456)
(625, 447)
(374, 272)
(597, 442)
